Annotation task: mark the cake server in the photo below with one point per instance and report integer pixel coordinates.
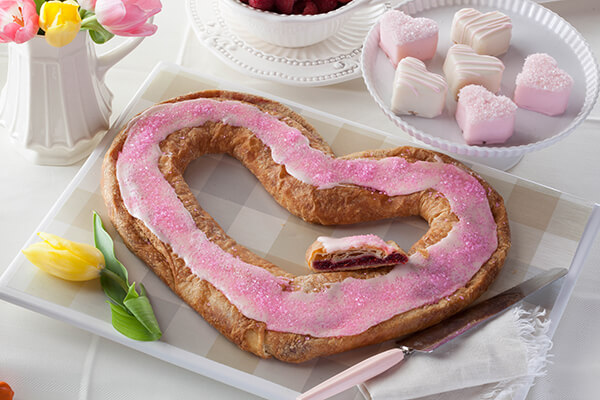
(431, 338)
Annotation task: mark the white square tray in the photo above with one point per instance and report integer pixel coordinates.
(549, 229)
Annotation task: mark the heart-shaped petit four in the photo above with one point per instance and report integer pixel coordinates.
(401, 35)
(487, 33)
(463, 66)
(543, 87)
(417, 91)
(484, 117)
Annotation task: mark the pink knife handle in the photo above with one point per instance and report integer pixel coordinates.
(354, 375)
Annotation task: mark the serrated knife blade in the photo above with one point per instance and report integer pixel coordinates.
(433, 337)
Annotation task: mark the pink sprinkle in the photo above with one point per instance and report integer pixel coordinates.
(541, 71)
(483, 105)
(343, 308)
(407, 29)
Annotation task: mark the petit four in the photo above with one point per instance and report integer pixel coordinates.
(401, 35)
(484, 117)
(417, 91)
(487, 33)
(463, 66)
(542, 86)
(349, 253)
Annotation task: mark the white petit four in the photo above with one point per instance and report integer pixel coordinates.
(542, 86)
(417, 91)
(401, 35)
(484, 117)
(487, 33)
(465, 67)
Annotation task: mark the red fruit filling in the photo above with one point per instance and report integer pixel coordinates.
(365, 261)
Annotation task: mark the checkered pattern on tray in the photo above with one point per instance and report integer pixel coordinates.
(546, 226)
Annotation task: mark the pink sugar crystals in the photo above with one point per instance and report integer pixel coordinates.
(401, 35)
(484, 117)
(542, 86)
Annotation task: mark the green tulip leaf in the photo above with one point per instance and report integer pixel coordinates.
(100, 36)
(105, 244)
(90, 23)
(113, 285)
(140, 307)
(38, 5)
(132, 313)
(129, 325)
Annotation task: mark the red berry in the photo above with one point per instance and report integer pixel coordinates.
(284, 6)
(325, 6)
(310, 8)
(265, 5)
(298, 6)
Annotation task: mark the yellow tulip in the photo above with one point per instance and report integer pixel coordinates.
(65, 259)
(60, 21)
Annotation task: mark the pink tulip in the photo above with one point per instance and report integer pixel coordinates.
(18, 20)
(127, 17)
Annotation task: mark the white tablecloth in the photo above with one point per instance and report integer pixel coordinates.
(45, 359)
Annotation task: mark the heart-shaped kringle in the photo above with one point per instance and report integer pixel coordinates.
(487, 33)
(401, 35)
(463, 66)
(542, 86)
(258, 306)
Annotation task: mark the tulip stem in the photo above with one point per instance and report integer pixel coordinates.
(98, 33)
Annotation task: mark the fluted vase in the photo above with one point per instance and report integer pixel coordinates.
(55, 104)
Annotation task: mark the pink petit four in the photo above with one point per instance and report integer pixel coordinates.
(463, 66)
(542, 86)
(484, 117)
(401, 35)
(417, 91)
(487, 33)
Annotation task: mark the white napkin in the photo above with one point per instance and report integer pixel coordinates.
(494, 361)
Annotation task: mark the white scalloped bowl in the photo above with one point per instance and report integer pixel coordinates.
(287, 30)
(535, 30)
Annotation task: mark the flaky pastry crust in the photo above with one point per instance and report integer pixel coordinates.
(337, 205)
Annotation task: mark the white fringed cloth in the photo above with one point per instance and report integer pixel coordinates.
(495, 361)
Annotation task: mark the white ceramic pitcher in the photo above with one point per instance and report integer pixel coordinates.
(55, 105)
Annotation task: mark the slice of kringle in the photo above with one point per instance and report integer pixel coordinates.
(257, 305)
(350, 253)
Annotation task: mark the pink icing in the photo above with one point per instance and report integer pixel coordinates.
(354, 242)
(401, 35)
(403, 28)
(540, 71)
(482, 105)
(344, 308)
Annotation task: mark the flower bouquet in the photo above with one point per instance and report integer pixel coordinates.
(55, 104)
(60, 21)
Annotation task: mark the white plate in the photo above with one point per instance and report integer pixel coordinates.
(334, 60)
(535, 30)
